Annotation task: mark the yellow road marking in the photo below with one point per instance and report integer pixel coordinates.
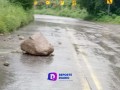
(85, 85)
(92, 73)
(94, 77)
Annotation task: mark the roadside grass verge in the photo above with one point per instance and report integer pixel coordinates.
(65, 11)
(112, 19)
(13, 16)
(78, 13)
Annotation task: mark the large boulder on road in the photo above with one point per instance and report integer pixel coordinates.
(37, 44)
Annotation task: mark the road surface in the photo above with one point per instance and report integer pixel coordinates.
(87, 50)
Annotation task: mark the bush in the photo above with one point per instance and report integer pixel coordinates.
(96, 6)
(27, 4)
(12, 16)
(3, 28)
(56, 9)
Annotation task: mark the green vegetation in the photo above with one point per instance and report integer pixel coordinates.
(55, 9)
(27, 4)
(98, 10)
(67, 12)
(115, 19)
(13, 16)
(92, 10)
(97, 6)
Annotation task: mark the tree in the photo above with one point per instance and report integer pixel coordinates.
(98, 6)
(27, 4)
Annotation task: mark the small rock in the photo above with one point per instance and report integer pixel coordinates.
(21, 38)
(6, 64)
(59, 43)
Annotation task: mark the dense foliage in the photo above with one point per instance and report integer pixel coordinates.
(27, 4)
(13, 16)
(94, 10)
(98, 6)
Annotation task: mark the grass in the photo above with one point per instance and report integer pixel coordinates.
(67, 11)
(12, 16)
(57, 10)
(113, 19)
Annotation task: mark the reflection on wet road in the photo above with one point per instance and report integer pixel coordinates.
(89, 51)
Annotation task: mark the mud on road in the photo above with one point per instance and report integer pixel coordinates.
(90, 51)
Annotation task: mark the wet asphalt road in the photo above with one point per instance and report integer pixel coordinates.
(90, 51)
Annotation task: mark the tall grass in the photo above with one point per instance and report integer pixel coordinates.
(66, 11)
(12, 16)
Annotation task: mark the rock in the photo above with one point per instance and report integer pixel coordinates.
(37, 44)
(59, 43)
(18, 35)
(6, 64)
(21, 38)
